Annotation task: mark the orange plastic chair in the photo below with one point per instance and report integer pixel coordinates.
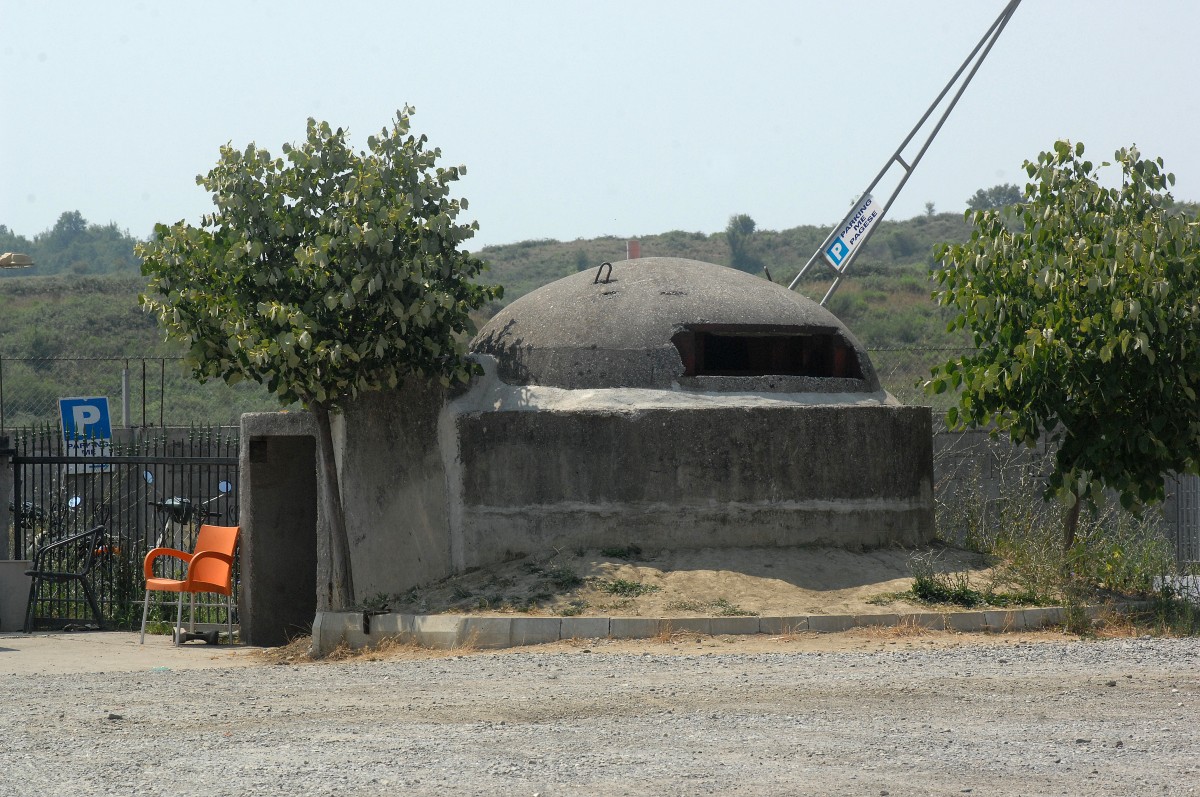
(209, 569)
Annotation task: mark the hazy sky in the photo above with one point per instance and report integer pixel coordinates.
(579, 119)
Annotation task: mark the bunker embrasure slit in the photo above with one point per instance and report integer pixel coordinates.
(732, 350)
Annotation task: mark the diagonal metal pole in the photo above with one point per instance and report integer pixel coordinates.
(972, 62)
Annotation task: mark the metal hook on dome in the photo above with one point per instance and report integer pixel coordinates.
(600, 271)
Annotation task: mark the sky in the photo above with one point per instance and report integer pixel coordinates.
(582, 119)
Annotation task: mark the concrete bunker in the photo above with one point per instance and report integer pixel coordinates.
(663, 402)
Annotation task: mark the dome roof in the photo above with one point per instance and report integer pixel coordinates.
(662, 322)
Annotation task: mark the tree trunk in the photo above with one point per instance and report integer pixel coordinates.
(1070, 523)
(340, 590)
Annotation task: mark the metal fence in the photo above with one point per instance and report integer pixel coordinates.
(142, 391)
(130, 493)
(902, 371)
(975, 475)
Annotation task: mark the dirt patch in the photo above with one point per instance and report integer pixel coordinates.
(630, 582)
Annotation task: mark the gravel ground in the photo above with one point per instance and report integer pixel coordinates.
(1096, 718)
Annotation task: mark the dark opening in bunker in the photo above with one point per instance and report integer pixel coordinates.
(731, 350)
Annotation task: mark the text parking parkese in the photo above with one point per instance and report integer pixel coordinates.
(852, 232)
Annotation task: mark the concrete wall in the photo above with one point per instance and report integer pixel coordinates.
(14, 593)
(694, 477)
(434, 484)
(394, 489)
(278, 596)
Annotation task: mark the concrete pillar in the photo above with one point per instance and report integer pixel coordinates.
(6, 519)
(6, 495)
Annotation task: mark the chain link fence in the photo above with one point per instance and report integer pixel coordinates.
(142, 391)
(902, 371)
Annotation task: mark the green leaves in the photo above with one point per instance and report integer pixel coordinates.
(1083, 308)
(325, 272)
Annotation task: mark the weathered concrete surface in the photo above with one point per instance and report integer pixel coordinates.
(445, 631)
(394, 489)
(279, 522)
(545, 468)
(14, 593)
(6, 482)
(576, 333)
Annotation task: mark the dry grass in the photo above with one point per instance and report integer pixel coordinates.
(788, 634)
(1112, 624)
(397, 648)
(906, 628)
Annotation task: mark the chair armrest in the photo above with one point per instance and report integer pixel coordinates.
(39, 555)
(200, 556)
(223, 557)
(156, 553)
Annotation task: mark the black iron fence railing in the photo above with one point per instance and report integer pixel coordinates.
(155, 488)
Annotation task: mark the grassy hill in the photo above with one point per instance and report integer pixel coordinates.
(72, 334)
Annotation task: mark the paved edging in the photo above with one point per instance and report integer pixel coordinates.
(367, 629)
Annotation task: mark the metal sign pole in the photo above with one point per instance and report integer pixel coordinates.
(840, 259)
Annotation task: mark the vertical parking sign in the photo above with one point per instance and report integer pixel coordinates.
(87, 431)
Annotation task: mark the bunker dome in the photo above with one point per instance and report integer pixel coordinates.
(678, 404)
(671, 323)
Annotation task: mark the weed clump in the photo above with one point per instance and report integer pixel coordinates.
(626, 588)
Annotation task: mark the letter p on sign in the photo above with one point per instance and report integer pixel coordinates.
(85, 416)
(837, 252)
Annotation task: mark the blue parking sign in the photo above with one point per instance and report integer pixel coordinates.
(87, 430)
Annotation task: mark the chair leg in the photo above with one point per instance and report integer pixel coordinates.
(145, 610)
(177, 633)
(91, 599)
(192, 612)
(34, 583)
(229, 615)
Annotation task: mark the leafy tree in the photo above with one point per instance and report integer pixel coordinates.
(1083, 305)
(70, 225)
(323, 274)
(997, 196)
(738, 233)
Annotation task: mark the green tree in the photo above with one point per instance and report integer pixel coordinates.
(1083, 305)
(997, 196)
(323, 274)
(738, 233)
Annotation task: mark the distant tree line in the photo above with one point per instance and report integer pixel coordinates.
(73, 246)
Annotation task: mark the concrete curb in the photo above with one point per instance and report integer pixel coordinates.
(448, 631)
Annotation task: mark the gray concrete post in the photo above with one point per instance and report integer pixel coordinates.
(6, 487)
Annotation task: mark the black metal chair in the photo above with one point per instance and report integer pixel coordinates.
(63, 561)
